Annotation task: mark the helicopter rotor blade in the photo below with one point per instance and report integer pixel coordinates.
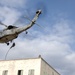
(3, 24)
(31, 21)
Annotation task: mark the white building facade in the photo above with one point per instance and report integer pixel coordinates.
(34, 66)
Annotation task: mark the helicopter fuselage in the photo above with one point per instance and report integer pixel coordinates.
(12, 32)
(8, 38)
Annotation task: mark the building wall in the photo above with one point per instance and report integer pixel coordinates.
(25, 65)
(46, 69)
(39, 65)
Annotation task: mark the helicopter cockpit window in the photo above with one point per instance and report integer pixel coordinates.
(10, 27)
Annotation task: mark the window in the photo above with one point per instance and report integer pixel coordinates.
(31, 72)
(5, 72)
(20, 72)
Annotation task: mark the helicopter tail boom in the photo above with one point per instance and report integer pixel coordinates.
(21, 29)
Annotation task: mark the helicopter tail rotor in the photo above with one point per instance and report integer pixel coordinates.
(41, 6)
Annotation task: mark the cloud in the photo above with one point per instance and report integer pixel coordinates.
(13, 3)
(10, 10)
(9, 15)
(55, 46)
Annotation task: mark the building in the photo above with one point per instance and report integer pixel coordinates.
(33, 66)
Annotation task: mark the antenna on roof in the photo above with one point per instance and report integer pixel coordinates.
(39, 56)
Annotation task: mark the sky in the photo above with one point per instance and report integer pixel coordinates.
(55, 41)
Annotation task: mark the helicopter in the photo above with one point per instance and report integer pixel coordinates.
(11, 32)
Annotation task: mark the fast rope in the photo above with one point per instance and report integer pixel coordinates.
(9, 50)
